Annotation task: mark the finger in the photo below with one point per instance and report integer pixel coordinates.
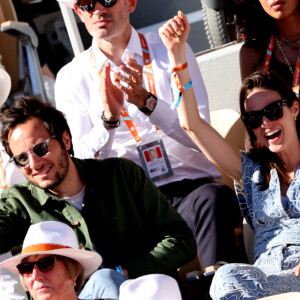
(164, 32)
(134, 65)
(183, 17)
(136, 74)
(173, 28)
(178, 25)
(122, 88)
(130, 81)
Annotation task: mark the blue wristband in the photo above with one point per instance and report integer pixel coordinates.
(177, 101)
(119, 269)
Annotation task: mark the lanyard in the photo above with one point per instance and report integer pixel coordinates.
(150, 78)
(269, 53)
(3, 184)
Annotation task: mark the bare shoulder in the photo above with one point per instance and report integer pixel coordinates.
(249, 60)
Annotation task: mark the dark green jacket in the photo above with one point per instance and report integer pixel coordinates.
(129, 221)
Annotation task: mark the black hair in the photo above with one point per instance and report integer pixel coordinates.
(25, 108)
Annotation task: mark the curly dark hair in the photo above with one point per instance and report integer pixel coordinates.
(25, 108)
(269, 160)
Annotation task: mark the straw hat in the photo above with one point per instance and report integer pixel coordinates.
(69, 3)
(5, 85)
(52, 237)
(150, 287)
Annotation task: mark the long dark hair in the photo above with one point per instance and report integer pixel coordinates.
(254, 24)
(258, 152)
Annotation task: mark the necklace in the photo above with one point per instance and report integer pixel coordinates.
(283, 56)
(287, 43)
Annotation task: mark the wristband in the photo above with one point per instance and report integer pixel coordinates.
(179, 89)
(119, 269)
(110, 124)
(179, 68)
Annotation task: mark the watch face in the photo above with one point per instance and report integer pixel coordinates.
(151, 103)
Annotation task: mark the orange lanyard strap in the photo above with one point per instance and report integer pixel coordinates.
(269, 53)
(296, 79)
(148, 65)
(128, 121)
(3, 184)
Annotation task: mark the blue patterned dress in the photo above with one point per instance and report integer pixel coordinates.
(276, 223)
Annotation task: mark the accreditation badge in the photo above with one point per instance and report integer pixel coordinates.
(155, 160)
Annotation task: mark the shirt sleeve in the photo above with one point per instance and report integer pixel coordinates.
(175, 245)
(168, 121)
(13, 224)
(72, 98)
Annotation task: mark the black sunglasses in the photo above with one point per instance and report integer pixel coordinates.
(45, 264)
(40, 150)
(89, 5)
(273, 111)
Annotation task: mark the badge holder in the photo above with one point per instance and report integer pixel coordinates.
(155, 160)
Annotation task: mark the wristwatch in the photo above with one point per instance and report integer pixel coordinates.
(150, 104)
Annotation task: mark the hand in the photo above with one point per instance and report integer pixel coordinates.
(297, 271)
(133, 89)
(175, 32)
(112, 97)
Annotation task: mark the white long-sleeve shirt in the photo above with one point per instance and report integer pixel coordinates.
(77, 96)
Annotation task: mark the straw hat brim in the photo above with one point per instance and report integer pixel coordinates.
(89, 260)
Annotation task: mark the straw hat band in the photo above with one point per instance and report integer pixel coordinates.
(42, 247)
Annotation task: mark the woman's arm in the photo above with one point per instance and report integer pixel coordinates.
(174, 35)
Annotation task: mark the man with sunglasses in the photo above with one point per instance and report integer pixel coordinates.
(116, 97)
(111, 204)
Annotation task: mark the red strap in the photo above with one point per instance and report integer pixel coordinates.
(180, 68)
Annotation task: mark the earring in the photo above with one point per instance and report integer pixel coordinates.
(74, 283)
(295, 118)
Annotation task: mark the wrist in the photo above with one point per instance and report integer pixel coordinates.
(149, 104)
(177, 58)
(108, 116)
(110, 124)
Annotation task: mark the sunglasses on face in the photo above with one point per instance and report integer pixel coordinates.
(40, 150)
(273, 111)
(45, 264)
(89, 5)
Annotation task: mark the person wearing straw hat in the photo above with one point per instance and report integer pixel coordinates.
(150, 287)
(51, 264)
(111, 204)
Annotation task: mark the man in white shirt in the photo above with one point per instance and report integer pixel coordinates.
(116, 97)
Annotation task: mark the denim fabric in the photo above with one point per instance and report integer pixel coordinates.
(103, 284)
(277, 239)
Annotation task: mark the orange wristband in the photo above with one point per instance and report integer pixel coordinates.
(179, 68)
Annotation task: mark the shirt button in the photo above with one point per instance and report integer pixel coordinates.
(75, 223)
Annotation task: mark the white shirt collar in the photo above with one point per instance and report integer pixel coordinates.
(132, 50)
